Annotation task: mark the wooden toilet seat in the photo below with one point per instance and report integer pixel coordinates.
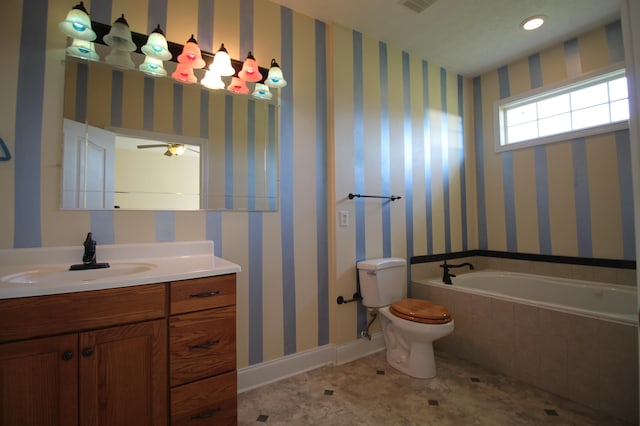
(422, 311)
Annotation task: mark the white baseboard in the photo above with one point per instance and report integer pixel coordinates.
(267, 372)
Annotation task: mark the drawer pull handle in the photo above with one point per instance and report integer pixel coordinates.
(207, 414)
(206, 294)
(205, 345)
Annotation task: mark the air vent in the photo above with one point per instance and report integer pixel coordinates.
(417, 5)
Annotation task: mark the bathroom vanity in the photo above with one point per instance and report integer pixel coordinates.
(151, 351)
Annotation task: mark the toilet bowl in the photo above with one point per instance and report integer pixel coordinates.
(409, 326)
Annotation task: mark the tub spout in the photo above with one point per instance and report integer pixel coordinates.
(446, 275)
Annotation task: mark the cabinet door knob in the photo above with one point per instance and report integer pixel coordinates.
(67, 355)
(87, 352)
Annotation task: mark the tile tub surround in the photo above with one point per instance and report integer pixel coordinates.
(370, 392)
(593, 362)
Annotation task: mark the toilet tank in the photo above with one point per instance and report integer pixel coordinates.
(382, 281)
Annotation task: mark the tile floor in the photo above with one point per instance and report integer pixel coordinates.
(370, 392)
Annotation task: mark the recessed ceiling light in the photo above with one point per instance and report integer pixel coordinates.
(532, 22)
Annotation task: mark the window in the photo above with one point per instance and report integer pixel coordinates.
(592, 105)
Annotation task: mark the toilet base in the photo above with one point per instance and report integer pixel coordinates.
(420, 364)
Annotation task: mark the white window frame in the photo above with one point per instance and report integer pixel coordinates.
(541, 93)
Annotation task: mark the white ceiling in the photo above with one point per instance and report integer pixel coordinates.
(468, 37)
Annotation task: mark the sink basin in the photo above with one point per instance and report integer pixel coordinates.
(61, 275)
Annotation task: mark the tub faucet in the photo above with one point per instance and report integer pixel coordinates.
(446, 276)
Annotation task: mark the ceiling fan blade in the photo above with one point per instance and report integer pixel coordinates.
(164, 145)
(168, 153)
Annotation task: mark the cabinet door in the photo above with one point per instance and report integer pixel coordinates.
(123, 375)
(39, 381)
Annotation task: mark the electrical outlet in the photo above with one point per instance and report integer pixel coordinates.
(344, 218)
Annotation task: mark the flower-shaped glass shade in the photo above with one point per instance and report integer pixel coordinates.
(275, 77)
(221, 64)
(120, 59)
(261, 91)
(119, 36)
(184, 74)
(250, 71)
(212, 80)
(153, 67)
(156, 46)
(83, 49)
(238, 86)
(191, 54)
(78, 25)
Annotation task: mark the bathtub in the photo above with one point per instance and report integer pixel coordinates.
(593, 299)
(576, 339)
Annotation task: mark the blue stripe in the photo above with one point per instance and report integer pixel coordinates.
(204, 114)
(385, 148)
(287, 179)
(82, 89)
(147, 113)
(157, 15)
(572, 57)
(246, 27)
(322, 227)
(462, 169)
(255, 288)
(205, 24)
(28, 137)
(214, 230)
(116, 98)
(428, 154)
(444, 138)
(408, 159)
(272, 163)
(103, 227)
(228, 152)
(479, 138)
(507, 174)
(581, 195)
(542, 180)
(358, 158)
(251, 154)
(623, 151)
(165, 226)
(542, 199)
(614, 42)
(177, 108)
(101, 11)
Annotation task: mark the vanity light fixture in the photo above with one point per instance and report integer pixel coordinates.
(261, 91)
(212, 81)
(238, 86)
(533, 22)
(250, 71)
(156, 45)
(191, 54)
(222, 63)
(275, 78)
(120, 59)
(119, 37)
(77, 25)
(83, 49)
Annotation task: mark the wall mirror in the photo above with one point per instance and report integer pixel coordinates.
(205, 149)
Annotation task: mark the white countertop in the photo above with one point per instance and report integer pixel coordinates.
(21, 269)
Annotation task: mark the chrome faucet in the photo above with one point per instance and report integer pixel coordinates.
(446, 276)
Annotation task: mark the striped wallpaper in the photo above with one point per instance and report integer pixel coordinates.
(358, 116)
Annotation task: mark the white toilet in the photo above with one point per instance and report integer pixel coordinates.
(409, 325)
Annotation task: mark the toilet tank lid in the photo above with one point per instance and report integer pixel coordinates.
(382, 263)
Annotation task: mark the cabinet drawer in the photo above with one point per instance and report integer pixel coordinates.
(202, 344)
(211, 401)
(203, 293)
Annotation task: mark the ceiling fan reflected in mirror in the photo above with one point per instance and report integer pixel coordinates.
(172, 149)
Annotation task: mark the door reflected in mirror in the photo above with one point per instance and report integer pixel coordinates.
(136, 142)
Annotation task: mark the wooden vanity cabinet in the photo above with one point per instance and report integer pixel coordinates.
(104, 364)
(202, 351)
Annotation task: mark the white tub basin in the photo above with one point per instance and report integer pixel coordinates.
(49, 275)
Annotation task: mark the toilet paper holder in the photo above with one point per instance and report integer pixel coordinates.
(355, 298)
